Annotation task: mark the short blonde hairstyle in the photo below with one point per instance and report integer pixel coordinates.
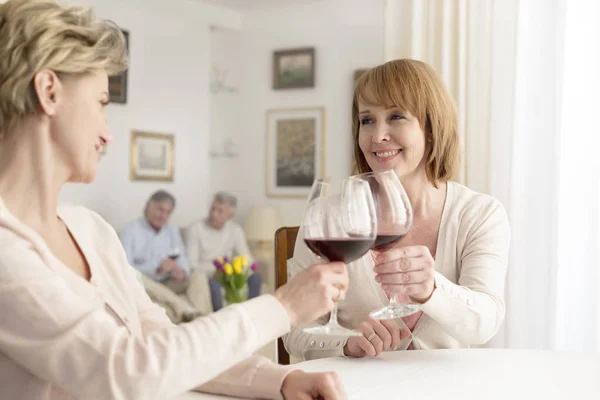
(415, 87)
(40, 34)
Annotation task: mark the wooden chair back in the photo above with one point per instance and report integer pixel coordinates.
(285, 240)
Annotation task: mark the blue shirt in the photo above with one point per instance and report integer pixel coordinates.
(146, 249)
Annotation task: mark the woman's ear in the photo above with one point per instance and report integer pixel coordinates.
(47, 88)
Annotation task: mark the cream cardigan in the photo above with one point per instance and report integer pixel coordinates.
(466, 308)
(62, 337)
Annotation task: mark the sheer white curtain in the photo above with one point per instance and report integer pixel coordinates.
(525, 77)
(454, 37)
(528, 173)
(578, 276)
(549, 177)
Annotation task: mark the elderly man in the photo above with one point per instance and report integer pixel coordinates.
(219, 236)
(156, 250)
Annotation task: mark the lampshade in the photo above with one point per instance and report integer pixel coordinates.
(262, 222)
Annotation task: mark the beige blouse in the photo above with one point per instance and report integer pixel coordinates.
(467, 306)
(62, 337)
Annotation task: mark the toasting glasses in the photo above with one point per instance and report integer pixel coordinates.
(339, 228)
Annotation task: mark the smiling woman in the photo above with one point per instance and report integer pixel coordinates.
(453, 259)
(420, 110)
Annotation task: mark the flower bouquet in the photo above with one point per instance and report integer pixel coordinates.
(233, 275)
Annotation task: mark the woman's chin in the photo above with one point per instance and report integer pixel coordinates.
(377, 166)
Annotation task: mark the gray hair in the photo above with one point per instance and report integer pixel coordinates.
(158, 197)
(224, 197)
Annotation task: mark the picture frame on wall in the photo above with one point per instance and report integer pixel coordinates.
(295, 150)
(152, 156)
(117, 85)
(294, 68)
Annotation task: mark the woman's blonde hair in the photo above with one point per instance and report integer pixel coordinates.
(415, 87)
(40, 34)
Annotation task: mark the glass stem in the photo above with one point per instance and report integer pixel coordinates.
(333, 316)
(393, 300)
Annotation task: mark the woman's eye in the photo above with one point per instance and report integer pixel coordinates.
(366, 121)
(397, 117)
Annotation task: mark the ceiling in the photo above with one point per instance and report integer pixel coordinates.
(247, 5)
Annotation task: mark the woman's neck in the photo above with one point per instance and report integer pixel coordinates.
(425, 198)
(30, 176)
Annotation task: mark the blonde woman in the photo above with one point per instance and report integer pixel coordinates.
(454, 259)
(74, 320)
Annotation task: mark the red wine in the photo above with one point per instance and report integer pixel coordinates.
(173, 256)
(384, 242)
(345, 250)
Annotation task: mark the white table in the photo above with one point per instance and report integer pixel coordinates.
(478, 374)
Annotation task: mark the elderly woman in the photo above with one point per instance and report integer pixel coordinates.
(454, 259)
(74, 321)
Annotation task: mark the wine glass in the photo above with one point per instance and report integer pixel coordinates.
(394, 220)
(339, 228)
(174, 253)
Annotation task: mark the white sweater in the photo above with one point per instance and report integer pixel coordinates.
(62, 337)
(467, 306)
(205, 244)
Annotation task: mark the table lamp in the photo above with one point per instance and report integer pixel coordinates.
(261, 224)
(260, 227)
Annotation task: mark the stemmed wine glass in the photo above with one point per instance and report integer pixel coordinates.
(394, 220)
(339, 228)
(174, 253)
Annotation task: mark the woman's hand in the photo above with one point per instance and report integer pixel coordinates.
(406, 271)
(299, 385)
(384, 335)
(314, 291)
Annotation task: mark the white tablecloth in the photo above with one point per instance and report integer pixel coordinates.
(478, 374)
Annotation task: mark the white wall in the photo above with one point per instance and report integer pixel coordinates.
(347, 35)
(225, 108)
(168, 91)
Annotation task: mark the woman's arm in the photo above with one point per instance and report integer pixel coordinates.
(76, 345)
(254, 377)
(472, 310)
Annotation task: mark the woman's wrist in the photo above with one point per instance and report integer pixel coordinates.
(426, 299)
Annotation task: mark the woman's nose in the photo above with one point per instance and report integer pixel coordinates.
(382, 133)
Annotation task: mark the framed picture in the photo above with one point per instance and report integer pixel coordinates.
(117, 85)
(294, 68)
(152, 156)
(295, 150)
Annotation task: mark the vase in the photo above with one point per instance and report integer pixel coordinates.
(236, 295)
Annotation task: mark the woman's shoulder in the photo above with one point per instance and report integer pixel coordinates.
(464, 197)
(81, 215)
(86, 221)
(472, 206)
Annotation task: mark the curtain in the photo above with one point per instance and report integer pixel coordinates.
(525, 77)
(454, 37)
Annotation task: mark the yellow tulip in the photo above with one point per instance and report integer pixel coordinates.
(237, 268)
(228, 269)
(244, 261)
(221, 260)
(237, 265)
